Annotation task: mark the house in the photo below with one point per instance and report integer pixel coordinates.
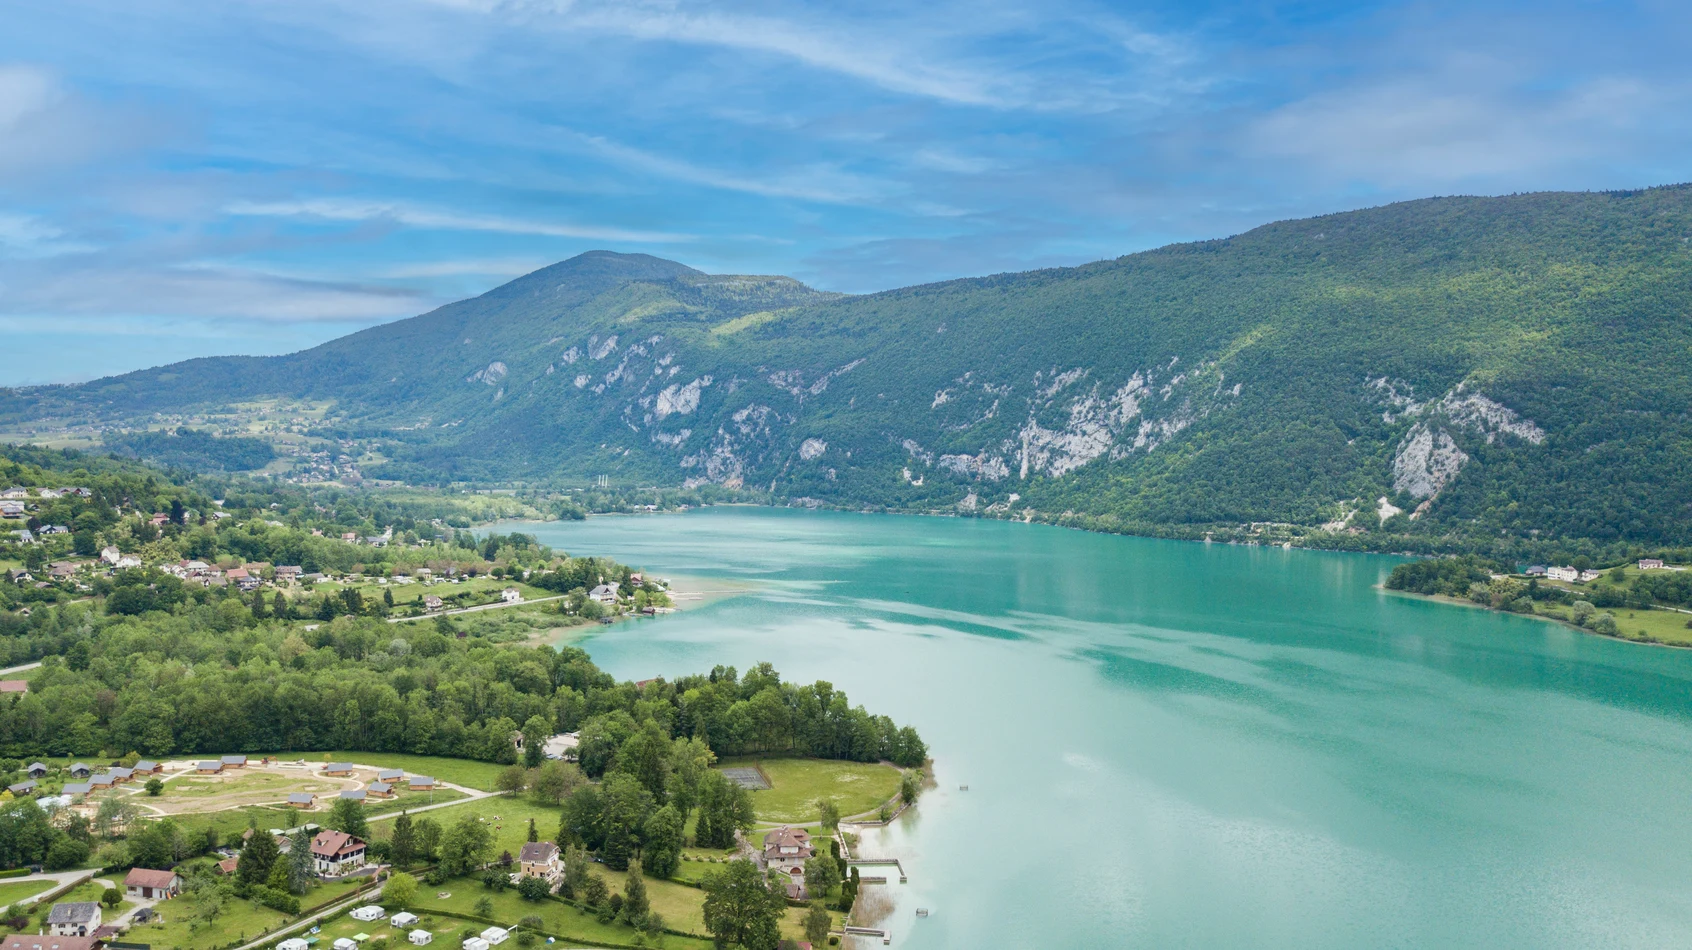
(338, 768)
(368, 913)
(421, 783)
(495, 935)
(14, 509)
(159, 520)
(48, 530)
(380, 790)
(21, 789)
(37, 769)
(228, 865)
(605, 593)
(78, 770)
(288, 574)
(302, 800)
(420, 937)
(1650, 564)
(14, 686)
(1535, 570)
(786, 848)
(431, 602)
(61, 570)
(14, 493)
(74, 919)
(390, 775)
(110, 555)
(37, 942)
(127, 561)
(121, 775)
(540, 859)
(148, 767)
(403, 919)
(335, 852)
(793, 881)
(20, 576)
(1586, 576)
(151, 884)
(209, 767)
(353, 794)
(103, 780)
(234, 761)
(75, 788)
(511, 595)
(1562, 573)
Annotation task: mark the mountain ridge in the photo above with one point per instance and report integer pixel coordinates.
(1490, 367)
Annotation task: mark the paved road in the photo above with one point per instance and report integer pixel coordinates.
(51, 881)
(471, 610)
(20, 669)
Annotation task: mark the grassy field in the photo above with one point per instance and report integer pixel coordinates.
(240, 918)
(509, 908)
(13, 891)
(797, 784)
(683, 907)
(508, 817)
(465, 772)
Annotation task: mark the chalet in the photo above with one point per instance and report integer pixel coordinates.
(37, 769)
(39, 942)
(335, 852)
(511, 595)
(19, 576)
(381, 790)
(152, 885)
(1562, 574)
(61, 570)
(78, 770)
(234, 761)
(786, 848)
(209, 767)
(14, 493)
(121, 775)
(1588, 576)
(338, 768)
(390, 775)
(228, 865)
(48, 530)
(302, 800)
(102, 781)
(22, 789)
(75, 788)
(110, 555)
(288, 574)
(148, 767)
(353, 795)
(14, 686)
(605, 593)
(431, 602)
(74, 919)
(1650, 564)
(540, 859)
(421, 783)
(13, 509)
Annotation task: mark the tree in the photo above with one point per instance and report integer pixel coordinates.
(821, 874)
(828, 814)
(576, 871)
(661, 852)
(279, 879)
(594, 890)
(741, 908)
(646, 756)
(690, 760)
(257, 858)
(512, 779)
(817, 924)
(554, 781)
(627, 806)
(402, 844)
(532, 888)
(535, 733)
(154, 787)
(724, 808)
(347, 814)
(910, 786)
(635, 902)
(483, 907)
(400, 889)
(428, 839)
(149, 848)
(534, 835)
(300, 866)
(465, 846)
(112, 896)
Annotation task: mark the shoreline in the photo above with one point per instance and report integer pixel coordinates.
(1461, 602)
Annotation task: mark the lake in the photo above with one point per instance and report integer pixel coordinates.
(1171, 744)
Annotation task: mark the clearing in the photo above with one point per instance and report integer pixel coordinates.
(797, 784)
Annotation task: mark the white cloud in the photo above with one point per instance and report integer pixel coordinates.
(23, 236)
(206, 292)
(493, 267)
(339, 209)
(824, 183)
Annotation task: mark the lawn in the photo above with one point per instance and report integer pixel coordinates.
(797, 784)
(508, 816)
(14, 891)
(240, 918)
(683, 907)
(1662, 626)
(570, 922)
(87, 891)
(465, 772)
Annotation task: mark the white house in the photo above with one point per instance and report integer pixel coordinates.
(110, 555)
(605, 593)
(368, 912)
(420, 937)
(336, 852)
(1562, 574)
(511, 595)
(1589, 576)
(1650, 564)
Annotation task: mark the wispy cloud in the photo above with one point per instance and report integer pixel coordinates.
(339, 209)
(823, 182)
(228, 293)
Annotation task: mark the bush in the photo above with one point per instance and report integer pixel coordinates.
(532, 888)
(66, 853)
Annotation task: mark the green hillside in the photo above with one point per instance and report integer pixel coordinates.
(1502, 373)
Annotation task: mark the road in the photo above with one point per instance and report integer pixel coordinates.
(471, 610)
(53, 880)
(20, 669)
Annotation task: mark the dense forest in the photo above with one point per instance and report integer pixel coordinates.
(1499, 375)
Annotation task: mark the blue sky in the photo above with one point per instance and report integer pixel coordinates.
(181, 179)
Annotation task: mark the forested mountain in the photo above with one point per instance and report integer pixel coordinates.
(1438, 372)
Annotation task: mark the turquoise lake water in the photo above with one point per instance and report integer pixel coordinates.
(1172, 744)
